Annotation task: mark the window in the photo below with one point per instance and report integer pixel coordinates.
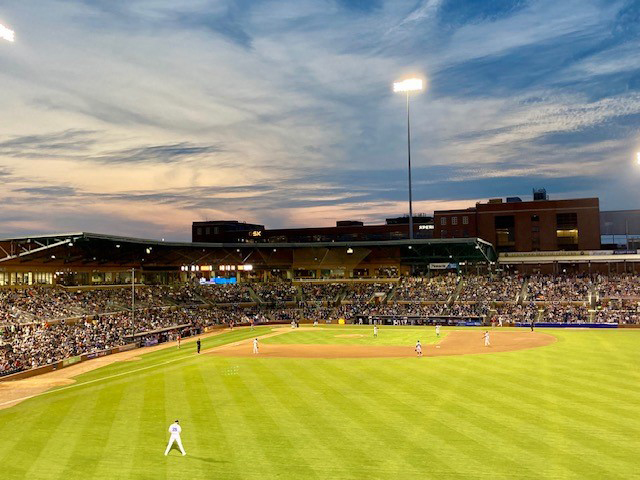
(208, 230)
(535, 229)
(535, 218)
(443, 234)
(443, 220)
(567, 230)
(505, 231)
(199, 230)
(465, 220)
(454, 220)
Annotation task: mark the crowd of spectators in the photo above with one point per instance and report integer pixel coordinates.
(26, 346)
(228, 293)
(40, 325)
(498, 289)
(437, 289)
(564, 313)
(365, 292)
(554, 288)
(619, 286)
(321, 292)
(276, 293)
(516, 313)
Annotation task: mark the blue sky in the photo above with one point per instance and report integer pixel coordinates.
(137, 117)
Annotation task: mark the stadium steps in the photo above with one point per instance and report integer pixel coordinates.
(456, 293)
(522, 296)
(337, 301)
(390, 295)
(254, 296)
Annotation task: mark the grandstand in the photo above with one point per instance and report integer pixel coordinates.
(77, 294)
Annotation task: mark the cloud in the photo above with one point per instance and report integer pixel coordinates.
(157, 154)
(158, 112)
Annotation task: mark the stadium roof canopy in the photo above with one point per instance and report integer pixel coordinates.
(104, 252)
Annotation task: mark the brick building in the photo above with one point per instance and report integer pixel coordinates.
(547, 225)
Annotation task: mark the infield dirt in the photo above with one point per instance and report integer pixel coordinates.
(457, 342)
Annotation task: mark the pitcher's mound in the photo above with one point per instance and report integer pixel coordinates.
(457, 342)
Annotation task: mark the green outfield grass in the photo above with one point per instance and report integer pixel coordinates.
(568, 410)
(337, 335)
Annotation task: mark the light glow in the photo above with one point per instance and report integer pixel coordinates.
(638, 158)
(408, 85)
(7, 34)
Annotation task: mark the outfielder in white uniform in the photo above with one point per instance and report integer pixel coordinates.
(375, 331)
(174, 430)
(437, 330)
(255, 345)
(419, 348)
(486, 339)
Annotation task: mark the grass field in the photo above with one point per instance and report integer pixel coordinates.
(356, 335)
(568, 410)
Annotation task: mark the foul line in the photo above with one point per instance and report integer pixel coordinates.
(56, 390)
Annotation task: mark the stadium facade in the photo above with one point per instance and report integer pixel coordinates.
(545, 236)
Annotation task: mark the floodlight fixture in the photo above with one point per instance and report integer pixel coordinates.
(7, 34)
(408, 85)
(638, 158)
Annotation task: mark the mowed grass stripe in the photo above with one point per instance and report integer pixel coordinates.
(364, 440)
(301, 414)
(526, 405)
(347, 335)
(382, 429)
(472, 427)
(54, 456)
(17, 462)
(119, 447)
(282, 453)
(222, 457)
(414, 424)
(240, 423)
(95, 434)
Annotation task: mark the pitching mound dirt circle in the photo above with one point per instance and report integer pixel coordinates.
(457, 342)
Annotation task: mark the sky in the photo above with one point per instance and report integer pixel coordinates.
(138, 117)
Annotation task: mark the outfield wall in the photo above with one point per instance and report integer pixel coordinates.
(67, 362)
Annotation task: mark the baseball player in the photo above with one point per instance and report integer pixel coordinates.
(375, 331)
(486, 338)
(500, 321)
(419, 348)
(179, 338)
(174, 430)
(198, 345)
(255, 345)
(437, 330)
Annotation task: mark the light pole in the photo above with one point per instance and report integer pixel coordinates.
(409, 85)
(133, 295)
(7, 34)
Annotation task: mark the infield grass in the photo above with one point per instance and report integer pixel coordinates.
(358, 335)
(567, 410)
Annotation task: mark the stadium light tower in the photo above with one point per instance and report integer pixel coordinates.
(407, 86)
(7, 34)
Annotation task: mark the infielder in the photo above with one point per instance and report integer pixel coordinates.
(486, 338)
(179, 338)
(255, 345)
(198, 345)
(174, 430)
(438, 330)
(419, 348)
(375, 331)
